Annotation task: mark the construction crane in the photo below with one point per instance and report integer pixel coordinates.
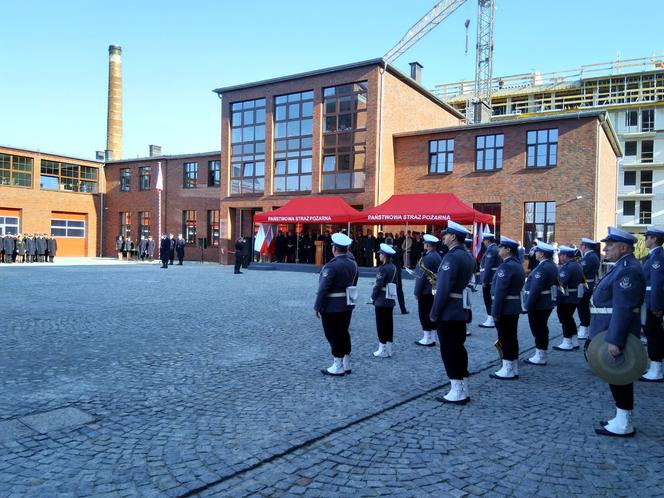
(479, 108)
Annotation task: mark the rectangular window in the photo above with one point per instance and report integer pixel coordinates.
(646, 182)
(542, 148)
(68, 177)
(214, 173)
(248, 147)
(344, 136)
(213, 227)
(125, 180)
(68, 228)
(539, 222)
(630, 148)
(648, 120)
(9, 225)
(189, 226)
(645, 212)
(629, 208)
(489, 152)
(15, 170)
(145, 178)
(647, 151)
(441, 156)
(190, 175)
(144, 224)
(293, 125)
(631, 118)
(125, 224)
(629, 178)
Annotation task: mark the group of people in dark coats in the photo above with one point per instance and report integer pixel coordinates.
(126, 248)
(169, 248)
(28, 248)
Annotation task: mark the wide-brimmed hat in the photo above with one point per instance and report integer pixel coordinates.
(619, 370)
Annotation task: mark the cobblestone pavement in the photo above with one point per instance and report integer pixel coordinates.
(130, 380)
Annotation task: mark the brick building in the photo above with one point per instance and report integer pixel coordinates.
(51, 194)
(551, 177)
(190, 201)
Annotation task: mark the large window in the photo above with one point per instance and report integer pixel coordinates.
(213, 227)
(9, 225)
(189, 226)
(68, 228)
(344, 136)
(630, 148)
(144, 224)
(629, 178)
(190, 175)
(145, 178)
(248, 147)
(293, 118)
(645, 212)
(631, 118)
(15, 170)
(125, 180)
(647, 151)
(629, 208)
(214, 173)
(441, 156)
(542, 148)
(68, 177)
(539, 222)
(648, 120)
(645, 185)
(125, 224)
(489, 152)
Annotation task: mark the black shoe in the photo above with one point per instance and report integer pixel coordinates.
(425, 345)
(658, 381)
(536, 364)
(325, 372)
(179, 264)
(405, 312)
(447, 401)
(604, 432)
(494, 376)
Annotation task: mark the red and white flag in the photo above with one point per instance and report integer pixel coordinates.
(264, 239)
(160, 179)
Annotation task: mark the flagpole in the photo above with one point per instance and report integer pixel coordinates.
(160, 187)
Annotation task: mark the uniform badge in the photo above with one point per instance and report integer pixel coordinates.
(563, 274)
(501, 273)
(656, 266)
(584, 263)
(538, 275)
(625, 283)
(446, 267)
(325, 273)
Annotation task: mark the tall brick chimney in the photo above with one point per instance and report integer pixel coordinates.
(114, 123)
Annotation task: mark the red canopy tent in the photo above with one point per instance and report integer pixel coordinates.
(422, 209)
(310, 210)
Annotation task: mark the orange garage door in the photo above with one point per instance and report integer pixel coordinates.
(71, 232)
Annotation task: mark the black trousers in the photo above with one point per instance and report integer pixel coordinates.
(384, 323)
(507, 335)
(566, 316)
(539, 327)
(424, 304)
(584, 309)
(623, 396)
(452, 336)
(486, 294)
(400, 297)
(335, 326)
(655, 335)
(238, 263)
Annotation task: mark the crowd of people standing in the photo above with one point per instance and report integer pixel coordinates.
(28, 248)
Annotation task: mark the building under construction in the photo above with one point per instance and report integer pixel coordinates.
(631, 91)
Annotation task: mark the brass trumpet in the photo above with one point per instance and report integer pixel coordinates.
(428, 274)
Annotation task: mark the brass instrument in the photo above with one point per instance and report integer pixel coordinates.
(499, 347)
(428, 274)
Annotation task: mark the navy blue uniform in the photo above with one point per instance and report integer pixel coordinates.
(179, 249)
(339, 273)
(488, 266)
(571, 278)
(538, 300)
(423, 292)
(506, 306)
(448, 310)
(387, 273)
(653, 270)
(590, 265)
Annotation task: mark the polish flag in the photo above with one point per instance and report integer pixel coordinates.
(160, 179)
(264, 239)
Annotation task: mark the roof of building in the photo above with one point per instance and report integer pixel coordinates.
(46, 153)
(602, 116)
(334, 69)
(166, 157)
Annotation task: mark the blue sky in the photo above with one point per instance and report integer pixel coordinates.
(54, 56)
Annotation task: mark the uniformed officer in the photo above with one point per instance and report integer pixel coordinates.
(653, 268)
(590, 265)
(332, 306)
(387, 274)
(426, 268)
(615, 306)
(488, 265)
(471, 284)
(449, 311)
(539, 293)
(571, 279)
(164, 250)
(506, 306)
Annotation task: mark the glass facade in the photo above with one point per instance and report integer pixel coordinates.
(214, 173)
(539, 222)
(344, 136)
(145, 177)
(189, 226)
(293, 129)
(441, 156)
(68, 177)
(125, 180)
(190, 175)
(15, 170)
(248, 147)
(489, 152)
(542, 148)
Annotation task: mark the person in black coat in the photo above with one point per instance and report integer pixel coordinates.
(29, 248)
(280, 247)
(165, 250)
(150, 248)
(41, 248)
(52, 246)
(179, 249)
(239, 255)
(171, 254)
(142, 248)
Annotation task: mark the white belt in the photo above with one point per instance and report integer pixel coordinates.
(513, 297)
(541, 293)
(590, 280)
(648, 288)
(494, 268)
(608, 311)
(337, 294)
(456, 295)
(571, 291)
